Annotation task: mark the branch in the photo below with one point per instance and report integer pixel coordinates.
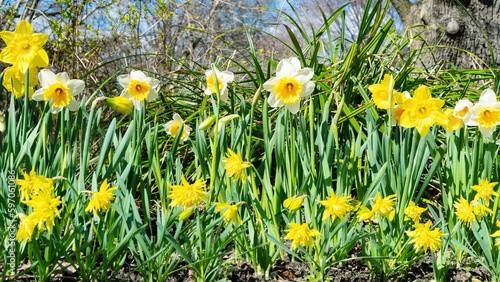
(403, 7)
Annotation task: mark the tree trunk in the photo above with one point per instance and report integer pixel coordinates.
(445, 23)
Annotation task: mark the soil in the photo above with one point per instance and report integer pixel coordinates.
(286, 270)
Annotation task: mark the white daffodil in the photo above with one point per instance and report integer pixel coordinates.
(462, 108)
(173, 126)
(485, 114)
(137, 87)
(223, 78)
(60, 89)
(290, 84)
(398, 109)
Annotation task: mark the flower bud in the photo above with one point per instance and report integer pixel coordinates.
(120, 104)
(2, 122)
(207, 123)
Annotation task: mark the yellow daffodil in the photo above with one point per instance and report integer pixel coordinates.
(26, 228)
(59, 89)
(399, 109)
(235, 166)
(120, 104)
(496, 234)
(480, 210)
(290, 85)
(453, 123)
(485, 191)
(426, 239)
(24, 48)
(336, 207)
(301, 235)
(230, 211)
(385, 206)
(172, 127)
(223, 79)
(137, 87)
(294, 203)
(14, 76)
(44, 209)
(380, 94)
(101, 200)
(188, 195)
(33, 184)
(464, 211)
(413, 212)
(365, 213)
(422, 111)
(485, 114)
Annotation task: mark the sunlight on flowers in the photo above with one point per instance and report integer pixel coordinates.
(44, 209)
(426, 239)
(14, 76)
(294, 203)
(380, 94)
(464, 211)
(187, 195)
(59, 89)
(120, 104)
(101, 200)
(172, 127)
(33, 184)
(336, 207)
(235, 166)
(24, 48)
(485, 114)
(485, 191)
(137, 87)
(229, 212)
(301, 235)
(290, 85)
(413, 212)
(223, 78)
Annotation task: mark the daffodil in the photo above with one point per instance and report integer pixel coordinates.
(33, 184)
(422, 111)
(172, 127)
(413, 212)
(424, 238)
(101, 200)
(399, 109)
(290, 85)
(14, 76)
(464, 211)
(235, 166)
(384, 206)
(294, 203)
(380, 94)
(26, 228)
(336, 207)
(230, 212)
(485, 114)
(485, 191)
(24, 48)
(223, 79)
(137, 87)
(59, 89)
(188, 195)
(453, 123)
(300, 234)
(45, 207)
(480, 210)
(462, 108)
(496, 234)
(120, 104)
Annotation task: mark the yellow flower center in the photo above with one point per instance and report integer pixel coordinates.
(488, 117)
(463, 112)
(288, 90)
(423, 112)
(59, 94)
(23, 45)
(138, 90)
(211, 85)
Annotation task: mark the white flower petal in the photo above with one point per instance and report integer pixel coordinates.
(295, 62)
(273, 101)
(55, 110)
(62, 77)
(168, 125)
(308, 88)
(46, 77)
(137, 75)
(293, 108)
(487, 132)
(38, 95)
(208, 73)
(487, 97)
(125, 94)
(73, 105)
(227, 77)
(207, 91)
(285, 68)
(269, 85)
(153, 94)
(304, 75)
(224, 94)
(470, 119)
(76, 86)
(124, 80)
(137, 104)
(153, 82)
(177, 118)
